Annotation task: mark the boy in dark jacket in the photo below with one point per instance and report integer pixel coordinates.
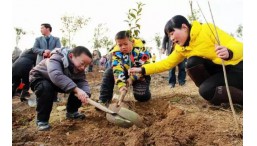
(63, 72)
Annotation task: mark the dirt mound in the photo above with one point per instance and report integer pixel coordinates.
(177, 116)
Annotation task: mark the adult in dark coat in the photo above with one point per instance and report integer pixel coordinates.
(63, 72)
(20, 72)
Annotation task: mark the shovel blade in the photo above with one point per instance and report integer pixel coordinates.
(131, 116)
(119, 121)
(123, 112)
(115, 118)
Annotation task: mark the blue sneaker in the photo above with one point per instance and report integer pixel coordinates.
(43, 126)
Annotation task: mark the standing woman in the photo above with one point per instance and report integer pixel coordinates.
(197, 42)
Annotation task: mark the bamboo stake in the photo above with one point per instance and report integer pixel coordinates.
(223, 66)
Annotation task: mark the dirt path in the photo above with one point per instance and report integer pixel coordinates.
(177, 116)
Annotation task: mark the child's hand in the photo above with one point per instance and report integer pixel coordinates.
(124, 88)
(129, 82)
(134, 70)
(82, 95)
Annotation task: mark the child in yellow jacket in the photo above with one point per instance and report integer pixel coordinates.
(197, 43)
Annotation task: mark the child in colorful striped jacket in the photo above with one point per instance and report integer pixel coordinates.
(128, 52)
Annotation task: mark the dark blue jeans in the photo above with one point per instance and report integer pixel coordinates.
(181, 74)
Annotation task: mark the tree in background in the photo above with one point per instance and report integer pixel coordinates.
(106, 42)
(239, 31)
(64, 41)
(133, 18)
(17, 51)
(195, 13)
(157, 39)
(19, 33)
(98, 32)
(100, 39)
(71, 24)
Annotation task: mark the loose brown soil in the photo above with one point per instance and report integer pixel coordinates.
(174, 116)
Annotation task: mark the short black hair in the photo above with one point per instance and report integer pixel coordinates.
(122, 35)
(79, 50)
(46, 25)
(176, 22)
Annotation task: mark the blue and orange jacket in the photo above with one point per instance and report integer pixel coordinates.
(122, 62)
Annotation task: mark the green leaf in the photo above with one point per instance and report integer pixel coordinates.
(138, 26)
(135, 10)
(138, 5)
(133, 15)
(136, 32)
(139, 11)
(137, 20)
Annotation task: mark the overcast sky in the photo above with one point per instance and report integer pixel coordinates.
(29, 14)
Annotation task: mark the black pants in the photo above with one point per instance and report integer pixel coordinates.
(16, 80)
(216, 78)
(45, 91)
(141, 89)
(20, 72)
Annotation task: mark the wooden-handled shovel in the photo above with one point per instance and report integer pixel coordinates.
(124, 112)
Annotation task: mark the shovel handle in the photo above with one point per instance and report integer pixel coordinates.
(99, 106)
(123, 94)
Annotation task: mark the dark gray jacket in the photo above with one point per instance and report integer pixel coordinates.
(59, 70)
(24, 63)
